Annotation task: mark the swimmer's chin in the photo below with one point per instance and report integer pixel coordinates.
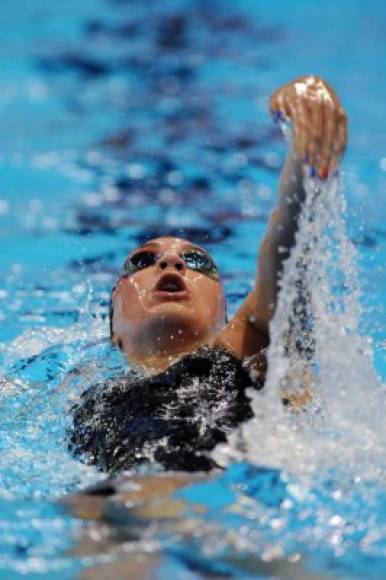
(165, 304)
(169, 315)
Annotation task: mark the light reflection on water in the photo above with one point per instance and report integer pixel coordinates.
(110, 127)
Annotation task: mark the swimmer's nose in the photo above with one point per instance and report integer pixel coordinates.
(173, 261)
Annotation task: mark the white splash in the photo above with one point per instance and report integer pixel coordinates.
(314, 333)
(35, 395)
(32, 342)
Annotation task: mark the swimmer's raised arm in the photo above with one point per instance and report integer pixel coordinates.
(319, 129)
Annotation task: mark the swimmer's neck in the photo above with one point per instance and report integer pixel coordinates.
(155, 345)
(153, 363)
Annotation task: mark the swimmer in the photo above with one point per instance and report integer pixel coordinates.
(168, 316)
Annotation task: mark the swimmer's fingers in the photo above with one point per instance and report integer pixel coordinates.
(326, 134)
(299, 116)
(307, 120)
(278, 106)
(329, 140)
(336, 136)
(315, 132)
(318, 121)
(306, 116)
(341, 137)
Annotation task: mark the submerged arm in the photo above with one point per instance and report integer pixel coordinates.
(319, 138)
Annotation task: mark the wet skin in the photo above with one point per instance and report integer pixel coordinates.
(167, 308)
(155, 325)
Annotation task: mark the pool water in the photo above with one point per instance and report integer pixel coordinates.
(121, 121)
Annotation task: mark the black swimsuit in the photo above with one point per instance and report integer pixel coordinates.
(174, 419)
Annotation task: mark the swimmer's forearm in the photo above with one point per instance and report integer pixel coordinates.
(248, 332)
(319, 132)
(278, 240)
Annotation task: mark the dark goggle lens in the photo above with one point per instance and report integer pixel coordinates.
(200, 262)
(139, 261)
(194, 260)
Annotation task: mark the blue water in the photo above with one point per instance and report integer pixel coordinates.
(121, 120)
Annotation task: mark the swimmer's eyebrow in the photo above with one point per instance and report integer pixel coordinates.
(146, 246)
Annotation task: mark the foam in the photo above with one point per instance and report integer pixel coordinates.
(344, 425)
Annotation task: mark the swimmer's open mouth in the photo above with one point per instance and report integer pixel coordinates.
(171, 284)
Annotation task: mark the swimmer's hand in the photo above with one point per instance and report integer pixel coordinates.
(319, 122)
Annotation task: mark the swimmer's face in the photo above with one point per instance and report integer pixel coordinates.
(169, 298)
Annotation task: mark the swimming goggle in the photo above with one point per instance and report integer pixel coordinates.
(194, 259)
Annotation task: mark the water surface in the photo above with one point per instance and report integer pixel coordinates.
(121, 121)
